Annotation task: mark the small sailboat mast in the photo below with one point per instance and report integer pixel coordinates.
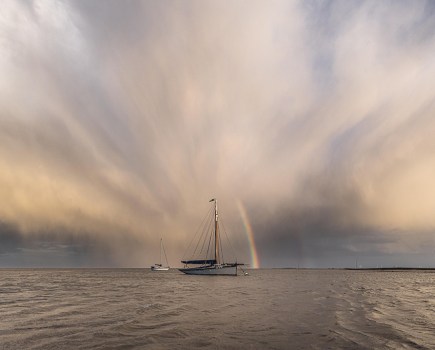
(160, 261)
(164, 252)
(159, 266)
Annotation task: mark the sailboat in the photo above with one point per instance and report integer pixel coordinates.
(160, 267)
(214, 264)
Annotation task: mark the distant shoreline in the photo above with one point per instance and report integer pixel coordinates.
(393, 269)
(361, 268)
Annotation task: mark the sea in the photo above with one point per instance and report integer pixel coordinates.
(266, 309)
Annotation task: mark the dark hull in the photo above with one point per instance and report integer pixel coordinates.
(213, 270)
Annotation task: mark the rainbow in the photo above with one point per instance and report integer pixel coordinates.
(250, 234)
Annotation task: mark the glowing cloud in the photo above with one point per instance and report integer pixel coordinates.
(117, 118)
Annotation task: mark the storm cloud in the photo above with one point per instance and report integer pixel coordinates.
(120, 120)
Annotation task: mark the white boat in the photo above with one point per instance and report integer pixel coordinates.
(213, 264)
(160, 267)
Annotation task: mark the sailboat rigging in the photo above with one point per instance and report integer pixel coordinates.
(214, 264)
(159, 266)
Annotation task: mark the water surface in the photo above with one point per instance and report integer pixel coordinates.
(269, 309)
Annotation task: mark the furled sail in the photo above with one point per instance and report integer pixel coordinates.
(199, 262)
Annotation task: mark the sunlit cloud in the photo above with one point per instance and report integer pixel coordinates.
(119, 121)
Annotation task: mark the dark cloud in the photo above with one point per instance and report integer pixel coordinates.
(64, 248)
(10, 239)
(319, 236)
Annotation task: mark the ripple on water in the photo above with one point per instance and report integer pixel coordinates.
(98, 309)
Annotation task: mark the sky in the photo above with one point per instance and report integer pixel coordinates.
(311, 122)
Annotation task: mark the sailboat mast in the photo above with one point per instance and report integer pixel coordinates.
(160, 251)
(216, 233)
